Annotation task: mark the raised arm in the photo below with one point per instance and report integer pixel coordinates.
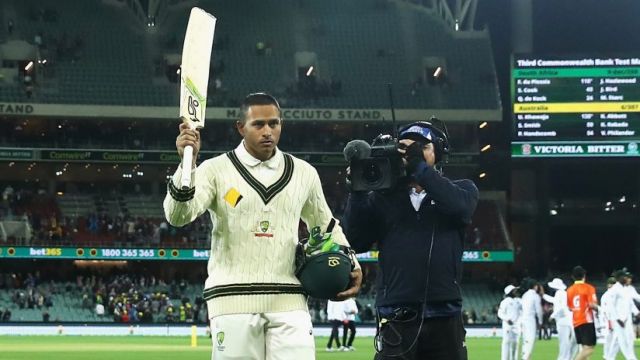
(182, 206)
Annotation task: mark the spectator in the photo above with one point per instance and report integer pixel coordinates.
(125, 316)
(6, 315)
(37, 39)
(100, 309)
(260, 48)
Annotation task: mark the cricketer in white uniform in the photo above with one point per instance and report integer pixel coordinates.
(255, 196)
(350, 309)
(611, 345)
(509, 312)
(622, 309)
(568, 346)
(635, 299)
(531, 320)
(335, 315)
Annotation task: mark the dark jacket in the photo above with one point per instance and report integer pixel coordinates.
(404, 237)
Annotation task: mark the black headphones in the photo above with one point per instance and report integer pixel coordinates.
(439, 138)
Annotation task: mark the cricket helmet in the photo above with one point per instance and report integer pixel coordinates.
(324, 275)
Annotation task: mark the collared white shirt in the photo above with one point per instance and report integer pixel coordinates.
(532, 306)
(633, 295)
(510, 310)
(350, 309)
(621, 303)
(561, 312)
(335, 310)
(605, 305)
(265, 171)
(416, 198)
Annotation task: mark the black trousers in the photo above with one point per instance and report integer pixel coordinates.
(335, 325)
(348, 325)
(441, 338)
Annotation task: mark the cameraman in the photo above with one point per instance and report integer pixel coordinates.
(419, 226)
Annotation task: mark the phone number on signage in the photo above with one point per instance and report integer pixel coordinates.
(137, 253)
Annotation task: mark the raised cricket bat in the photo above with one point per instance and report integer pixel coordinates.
(194, 78)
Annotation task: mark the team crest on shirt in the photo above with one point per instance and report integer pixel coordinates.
(262, 229)
(220, 340)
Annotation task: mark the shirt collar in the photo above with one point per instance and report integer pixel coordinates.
(251, 161)
(412, 191)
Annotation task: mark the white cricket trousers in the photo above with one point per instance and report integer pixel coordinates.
(567, 342)
(623, 337)
(529, 332)
(269, 336)
(509, 343)
(610, 345)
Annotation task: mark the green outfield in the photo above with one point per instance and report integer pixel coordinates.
(171, 348)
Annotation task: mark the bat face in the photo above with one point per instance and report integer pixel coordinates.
(196, 103)
(194, 72)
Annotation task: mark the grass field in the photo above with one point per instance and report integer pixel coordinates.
(171, 348)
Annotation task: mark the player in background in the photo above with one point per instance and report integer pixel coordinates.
(611, 345)
(350, 309)
(563, 317)
(509, 312)
(621, 311)
(582, 300)
(335, 315)
(255, 196)
(635, 299)
(531, 317)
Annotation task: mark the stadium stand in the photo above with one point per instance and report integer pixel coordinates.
(124, 298)
(299, 136)
(127, 65)
(153, 300)
(487, 229)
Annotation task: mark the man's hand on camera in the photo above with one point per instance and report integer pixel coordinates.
(347, 180)
(413, 156)
(354, 286)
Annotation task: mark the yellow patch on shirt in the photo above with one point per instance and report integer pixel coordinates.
(232, 197)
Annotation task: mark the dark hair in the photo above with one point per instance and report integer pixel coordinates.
(578, 273)
(259, 98)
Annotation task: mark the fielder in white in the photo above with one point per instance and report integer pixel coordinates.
(350, 309)
(531, 318)
(611, 345)
(635, 299)
(255, 196)
(568, 346)
(335, 315)
(622, 310)
(509, 312)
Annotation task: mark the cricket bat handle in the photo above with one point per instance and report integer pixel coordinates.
(187, 163)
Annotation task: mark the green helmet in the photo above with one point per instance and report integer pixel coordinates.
(324, 275)
(322, 266)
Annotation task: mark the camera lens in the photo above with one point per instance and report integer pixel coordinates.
(372, 172)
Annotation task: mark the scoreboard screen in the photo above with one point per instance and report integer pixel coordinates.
(566, 106)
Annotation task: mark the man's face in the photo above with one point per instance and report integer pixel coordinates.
(261, 130)
(428, 151)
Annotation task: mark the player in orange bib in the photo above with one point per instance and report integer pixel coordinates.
(582, 300)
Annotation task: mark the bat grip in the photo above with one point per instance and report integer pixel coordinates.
(187, 163)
